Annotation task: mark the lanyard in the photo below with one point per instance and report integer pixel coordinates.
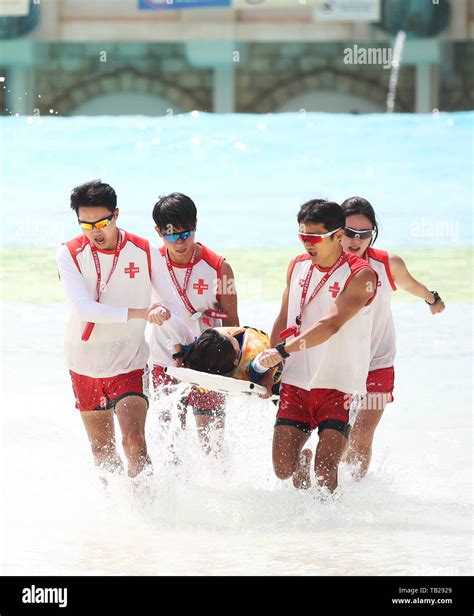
(295, 330)
(90, 326)
(97, 265)
(182, 291)
(214, 314)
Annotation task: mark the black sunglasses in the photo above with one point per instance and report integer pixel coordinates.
(361, 234)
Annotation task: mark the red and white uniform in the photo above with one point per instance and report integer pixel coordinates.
(383, 329)
(203, 292)
(342, 362)
(116, 346)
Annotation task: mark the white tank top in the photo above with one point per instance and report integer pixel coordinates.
(383, 331)
(203, 293)
(113, 348)
(342, 362)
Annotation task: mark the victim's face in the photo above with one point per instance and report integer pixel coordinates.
(232, 340)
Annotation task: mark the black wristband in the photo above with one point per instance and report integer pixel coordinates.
(178, 355)
(437, 299)
(280, 347)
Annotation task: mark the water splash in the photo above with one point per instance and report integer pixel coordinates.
(396, 62)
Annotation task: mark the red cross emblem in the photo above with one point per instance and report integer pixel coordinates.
(200, 286)
(131, 270)
(334, 290)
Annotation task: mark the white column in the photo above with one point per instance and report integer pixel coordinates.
(48, 27)
(435, 69)
(223, 90)
(20, 80)
(427, 87)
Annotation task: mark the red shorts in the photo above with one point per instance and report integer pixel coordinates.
(203, 401)
(103, 394)
(381, 381)
(317, 408)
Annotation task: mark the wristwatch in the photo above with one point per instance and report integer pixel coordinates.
(437, 299)
(280, 347)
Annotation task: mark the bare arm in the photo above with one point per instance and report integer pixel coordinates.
(408, 283)
(354, 297)
(86, 308)
(228, 296)
(267, 382)
(282, 318)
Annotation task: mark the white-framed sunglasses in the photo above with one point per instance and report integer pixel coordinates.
(316, 238)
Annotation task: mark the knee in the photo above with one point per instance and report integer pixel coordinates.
(133, 440)
(102, 449)
(283, 470)
(361, 438)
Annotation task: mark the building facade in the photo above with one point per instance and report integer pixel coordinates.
(85, 58)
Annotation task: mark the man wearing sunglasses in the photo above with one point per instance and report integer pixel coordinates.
(204, 283)
(323, 333)
(108, 275)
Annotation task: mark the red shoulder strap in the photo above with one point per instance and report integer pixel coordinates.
(76, 246)
(212, 258)
(357, 264)
(296, 260)
(215, 261)
(382, 257)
